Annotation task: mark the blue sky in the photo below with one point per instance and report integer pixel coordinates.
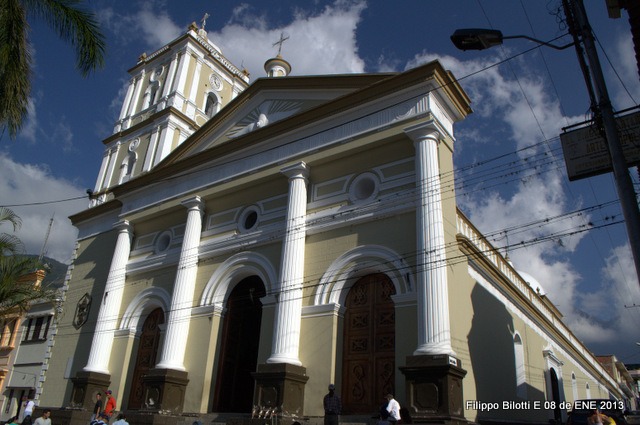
(511, 180)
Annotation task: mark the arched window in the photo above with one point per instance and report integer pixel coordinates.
(150, 95)
(521, 378)
(588, 391)
(574, 386)
(212, 106)
(126, 168)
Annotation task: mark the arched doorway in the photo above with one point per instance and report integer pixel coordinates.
(146, 357)
(555, 393)
(239, 347)
(369, 345)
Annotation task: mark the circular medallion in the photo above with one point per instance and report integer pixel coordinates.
(134, 144)
(215, 81)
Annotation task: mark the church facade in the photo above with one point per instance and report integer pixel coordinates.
(247, 245)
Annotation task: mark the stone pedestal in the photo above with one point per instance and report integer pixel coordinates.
(85, 387)
(434, 389)
(164, 390)
(281, 386)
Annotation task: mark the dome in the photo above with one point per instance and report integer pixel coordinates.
(532, 282)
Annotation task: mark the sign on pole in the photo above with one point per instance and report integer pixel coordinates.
(585, 149)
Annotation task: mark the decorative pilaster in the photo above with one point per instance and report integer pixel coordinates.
(168, 85)
(111, 300)
(286, 338)
(175, 343)
(193, 92)
(127, 99)
(136, 95)
(434, 332)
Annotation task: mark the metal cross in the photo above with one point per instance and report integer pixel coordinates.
(203, 21)
(279, 42)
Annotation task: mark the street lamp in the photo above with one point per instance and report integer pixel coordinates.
(580, 29)
(480, 39)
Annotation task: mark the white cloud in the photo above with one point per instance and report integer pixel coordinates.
(155, 28)
(626, 65)
(324, 43)
(23, 184)
(29, 129)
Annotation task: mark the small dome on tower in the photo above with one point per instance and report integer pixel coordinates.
(277, 67)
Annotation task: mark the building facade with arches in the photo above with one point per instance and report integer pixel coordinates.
(307, 233)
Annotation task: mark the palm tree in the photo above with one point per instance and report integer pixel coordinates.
(16, 292)
(69, 20)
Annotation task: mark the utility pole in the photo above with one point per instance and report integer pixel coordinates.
(580, 28)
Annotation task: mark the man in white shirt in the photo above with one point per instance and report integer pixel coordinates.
(44, 419)
(393, 407)
(27, 408)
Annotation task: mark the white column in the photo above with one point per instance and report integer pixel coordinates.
(136, 95)
(175, 342)
(127, 99)
(286, 337)
(180, 81)
(193, 91)
(110, 304)
(113, 158)
(168, 85)
(103, 170)
(434, 330)
(151, 149)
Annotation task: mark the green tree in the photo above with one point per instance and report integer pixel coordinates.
(16, 293)
(69, 20)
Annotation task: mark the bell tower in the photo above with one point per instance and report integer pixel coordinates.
(172, 92)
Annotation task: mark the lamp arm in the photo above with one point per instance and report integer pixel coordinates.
(535, 40)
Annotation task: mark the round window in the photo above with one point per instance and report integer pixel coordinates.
(363, 188)
(163, 241)
(248, 219)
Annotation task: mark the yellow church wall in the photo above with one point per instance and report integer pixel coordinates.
(121, 364)
(72, 346)
(201, 361)
(483, 329)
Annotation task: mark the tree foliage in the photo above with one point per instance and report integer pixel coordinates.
(72, 23)
(17, 291)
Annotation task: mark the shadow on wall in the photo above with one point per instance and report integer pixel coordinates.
(492, 353)
(92, 288)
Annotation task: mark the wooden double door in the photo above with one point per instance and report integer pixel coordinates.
(369, 345)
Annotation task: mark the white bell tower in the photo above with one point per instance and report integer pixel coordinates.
(172, 92)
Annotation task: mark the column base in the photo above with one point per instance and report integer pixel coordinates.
(434, 389)
(164, 390)
(85, 387)
(280, 386)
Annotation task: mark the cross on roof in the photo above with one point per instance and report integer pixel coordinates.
(279, 42)
(203, 21)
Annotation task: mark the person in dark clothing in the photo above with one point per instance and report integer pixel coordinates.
(332, 407)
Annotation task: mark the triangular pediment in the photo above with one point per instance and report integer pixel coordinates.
(266, 102)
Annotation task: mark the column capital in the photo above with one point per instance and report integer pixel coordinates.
(299, 170)
(123, 226)
(426, 130)
(193, 203)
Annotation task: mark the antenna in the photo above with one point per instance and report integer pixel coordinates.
(46, 239)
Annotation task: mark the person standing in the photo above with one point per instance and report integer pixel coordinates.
(27, 410)
(97, 408)
(44, 419)
(393, 407)
(109, 406)
(332, 406)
